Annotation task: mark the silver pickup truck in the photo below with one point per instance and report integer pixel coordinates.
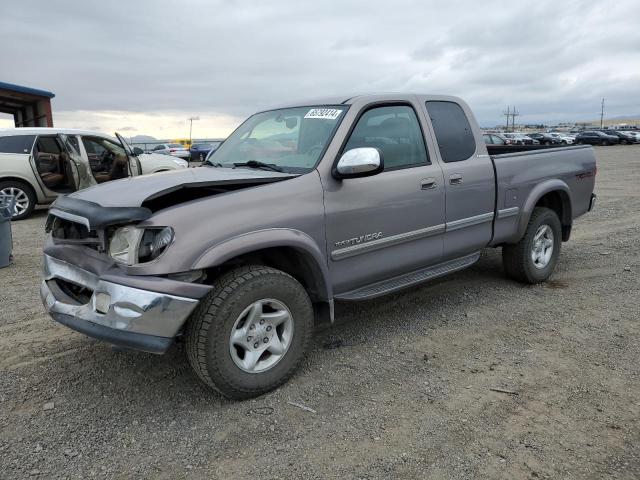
(342, 199)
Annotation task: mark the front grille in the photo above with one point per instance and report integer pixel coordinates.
(66, 231)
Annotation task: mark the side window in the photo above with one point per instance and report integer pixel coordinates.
(73, 140)
(395, 131)
(158, 147)
(497, 140)
(107, 160)
(487, 139)
(17, 144)
(453, 131)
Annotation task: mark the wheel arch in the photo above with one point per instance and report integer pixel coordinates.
(555, 195)
(291, 251)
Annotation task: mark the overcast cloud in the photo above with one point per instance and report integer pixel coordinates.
(144, 66)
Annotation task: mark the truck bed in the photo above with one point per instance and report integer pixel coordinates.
(534, 167)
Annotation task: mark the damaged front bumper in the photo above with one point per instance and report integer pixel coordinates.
(146, 318)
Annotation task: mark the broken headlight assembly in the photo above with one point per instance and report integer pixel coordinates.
(133, 245)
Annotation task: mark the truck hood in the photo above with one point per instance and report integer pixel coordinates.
(162, 190)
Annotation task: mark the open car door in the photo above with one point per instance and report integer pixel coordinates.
(134, 163)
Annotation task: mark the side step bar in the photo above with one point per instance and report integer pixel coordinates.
(408, 279)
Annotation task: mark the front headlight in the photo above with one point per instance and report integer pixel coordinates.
(132, 245)
(181, 163)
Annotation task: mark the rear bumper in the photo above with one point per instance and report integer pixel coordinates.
(119, 314)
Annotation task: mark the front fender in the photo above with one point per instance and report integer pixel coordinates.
(537, 193)
(270, 238)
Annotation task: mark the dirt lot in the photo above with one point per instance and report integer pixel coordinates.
(401, 387)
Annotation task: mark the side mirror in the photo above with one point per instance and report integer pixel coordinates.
(137, 151)
(359, 162)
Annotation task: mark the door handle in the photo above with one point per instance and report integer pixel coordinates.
(455, 179)
(428, 183)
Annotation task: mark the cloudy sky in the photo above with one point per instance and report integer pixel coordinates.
(145, 66)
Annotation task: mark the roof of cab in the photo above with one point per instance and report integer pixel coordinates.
(367, 97)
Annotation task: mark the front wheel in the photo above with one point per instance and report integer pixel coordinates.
(534, 257)
(249, 335)
(25, 198)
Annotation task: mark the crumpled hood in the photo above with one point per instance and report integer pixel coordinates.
(134, 191)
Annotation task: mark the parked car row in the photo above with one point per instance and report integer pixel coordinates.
(607, 137)
(589, 137)
(197, 152)
(38, 164)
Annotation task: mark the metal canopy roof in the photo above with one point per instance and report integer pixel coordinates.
(26, 90)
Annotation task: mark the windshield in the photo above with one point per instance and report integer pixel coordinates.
(291, 139)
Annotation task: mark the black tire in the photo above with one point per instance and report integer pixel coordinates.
(604, 143)
(210, 327)
(8, 185)
(580, 142)
(547, 143)
(517, 260)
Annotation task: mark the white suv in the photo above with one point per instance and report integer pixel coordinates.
(38, 164)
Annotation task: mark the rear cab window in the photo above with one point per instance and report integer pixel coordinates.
(452, 129)
(17, 144)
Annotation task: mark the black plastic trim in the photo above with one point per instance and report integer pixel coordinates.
(98, 216)
(136, 341)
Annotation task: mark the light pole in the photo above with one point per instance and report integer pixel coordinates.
(191, 119)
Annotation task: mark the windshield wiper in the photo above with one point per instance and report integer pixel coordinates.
(213, 164)
(259, 164)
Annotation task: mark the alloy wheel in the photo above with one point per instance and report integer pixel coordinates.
(542, 249)
(261, 335)
(21, 197)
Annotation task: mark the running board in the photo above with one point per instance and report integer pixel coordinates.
(408, 279)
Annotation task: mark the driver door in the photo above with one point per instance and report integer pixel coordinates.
(393, 222)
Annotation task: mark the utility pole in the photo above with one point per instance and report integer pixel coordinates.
(507, 114)
(602, 114)
(191, 119)
(514, 114)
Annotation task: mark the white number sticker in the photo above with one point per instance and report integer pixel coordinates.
(326, 113)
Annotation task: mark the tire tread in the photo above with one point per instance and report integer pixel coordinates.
(515, 258)
(203, 318)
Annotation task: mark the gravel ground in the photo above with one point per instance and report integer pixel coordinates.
(400, 387)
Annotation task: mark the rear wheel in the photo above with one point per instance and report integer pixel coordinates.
(534, 257)
(249, 335)
(580, 142)
(24, 195)
(604, 143)
(547, 143)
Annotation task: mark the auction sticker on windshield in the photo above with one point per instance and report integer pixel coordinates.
(326, 113)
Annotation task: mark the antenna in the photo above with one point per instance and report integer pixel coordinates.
(602, 114)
